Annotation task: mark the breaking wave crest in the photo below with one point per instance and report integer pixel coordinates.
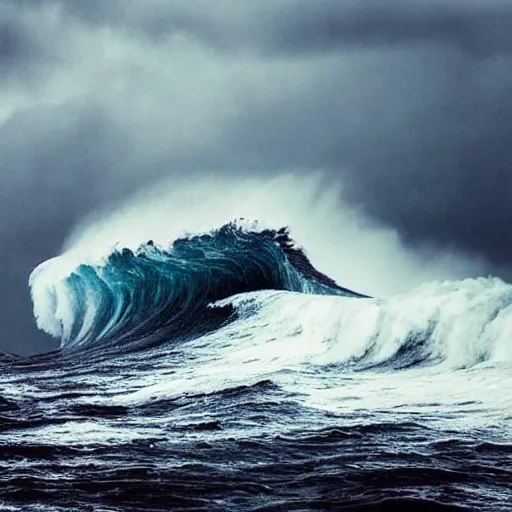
(154, 294)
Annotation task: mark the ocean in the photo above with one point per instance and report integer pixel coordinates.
(224, 372)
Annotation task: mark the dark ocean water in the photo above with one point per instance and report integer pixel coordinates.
(291, 393)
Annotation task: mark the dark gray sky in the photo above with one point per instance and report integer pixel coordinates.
(408, 103)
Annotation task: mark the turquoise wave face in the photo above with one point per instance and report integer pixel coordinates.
(154, 295)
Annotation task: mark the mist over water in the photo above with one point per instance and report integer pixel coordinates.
(339, 239)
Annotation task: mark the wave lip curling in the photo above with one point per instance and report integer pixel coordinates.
(153, 294)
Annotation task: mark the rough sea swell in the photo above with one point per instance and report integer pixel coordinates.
(225, 372)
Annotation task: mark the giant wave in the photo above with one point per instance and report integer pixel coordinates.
(200, 283)
(155, 294)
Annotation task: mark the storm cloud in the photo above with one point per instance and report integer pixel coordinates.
(407, 103)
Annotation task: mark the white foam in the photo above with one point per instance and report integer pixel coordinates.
(456, 323)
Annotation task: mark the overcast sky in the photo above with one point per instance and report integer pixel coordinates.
(408, 103)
